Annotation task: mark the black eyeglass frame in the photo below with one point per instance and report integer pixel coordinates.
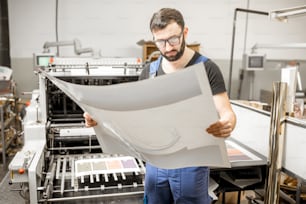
(171, 41)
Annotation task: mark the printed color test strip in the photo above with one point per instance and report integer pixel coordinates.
(107, 165)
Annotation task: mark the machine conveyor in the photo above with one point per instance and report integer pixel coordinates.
(71, 178)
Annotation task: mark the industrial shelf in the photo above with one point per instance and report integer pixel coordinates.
(7, 117)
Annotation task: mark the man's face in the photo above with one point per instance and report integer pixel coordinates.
(170, 41)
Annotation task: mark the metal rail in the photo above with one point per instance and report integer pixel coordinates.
(113, 195)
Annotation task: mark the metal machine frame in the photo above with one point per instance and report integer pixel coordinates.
(46, 164)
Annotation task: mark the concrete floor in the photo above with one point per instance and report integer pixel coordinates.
(4, 169)
(7, 193)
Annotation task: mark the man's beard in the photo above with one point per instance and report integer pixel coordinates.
(178, 55)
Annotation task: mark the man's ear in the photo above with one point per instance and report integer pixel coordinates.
(185, 32)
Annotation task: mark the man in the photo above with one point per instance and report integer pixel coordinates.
(183, 185)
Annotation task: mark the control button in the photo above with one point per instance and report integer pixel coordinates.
(21, 171)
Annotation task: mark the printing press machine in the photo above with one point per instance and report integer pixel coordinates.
(61, 160)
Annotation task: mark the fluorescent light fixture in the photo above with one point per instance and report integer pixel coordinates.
(280, 46)
(283, 14)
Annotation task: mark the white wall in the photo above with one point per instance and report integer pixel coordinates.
(115, 26)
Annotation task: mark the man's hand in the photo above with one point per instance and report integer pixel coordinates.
(220, 129)
(89, 122)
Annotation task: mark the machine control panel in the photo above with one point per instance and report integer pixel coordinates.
(19, 166)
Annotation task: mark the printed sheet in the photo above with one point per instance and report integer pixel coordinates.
(160, 120)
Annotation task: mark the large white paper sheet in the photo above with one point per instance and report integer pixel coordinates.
(160, 120)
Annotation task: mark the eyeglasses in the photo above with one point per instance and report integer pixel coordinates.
(173, 41)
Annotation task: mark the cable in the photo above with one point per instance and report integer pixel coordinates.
(56, 26)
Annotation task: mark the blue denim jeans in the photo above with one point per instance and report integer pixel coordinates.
(180, 186)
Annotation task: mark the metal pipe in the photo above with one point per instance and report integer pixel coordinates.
(113, 195)
(76, 43)
(72, 172)
(75, 148)
(63, 175)
(105, 188)
(55, 44)
(51, 162)
(49, 186)
(233, 42)
(276, 143)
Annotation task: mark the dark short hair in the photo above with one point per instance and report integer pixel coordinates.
(164, 17)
